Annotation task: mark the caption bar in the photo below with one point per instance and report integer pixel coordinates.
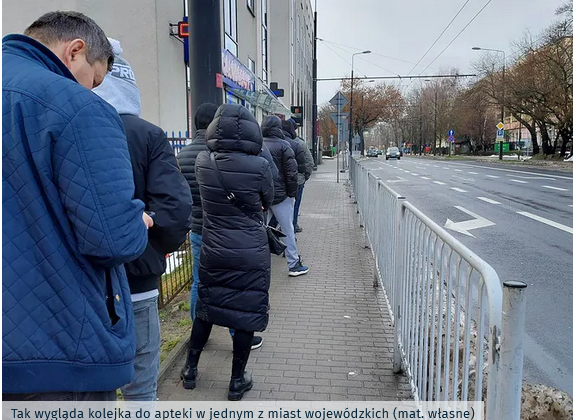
(267, 410)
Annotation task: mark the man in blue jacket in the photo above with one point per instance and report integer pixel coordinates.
(69, 220)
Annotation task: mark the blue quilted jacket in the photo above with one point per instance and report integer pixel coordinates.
(68, 224)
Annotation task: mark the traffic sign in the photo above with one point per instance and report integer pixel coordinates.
(451, 139)
(451, 133)
(500, 126)
(500, 133)
(339, 100)
(342, 115)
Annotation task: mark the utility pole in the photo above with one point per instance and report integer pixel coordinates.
(421, 127)
(204, 52)
(435, 119)
(314, 93)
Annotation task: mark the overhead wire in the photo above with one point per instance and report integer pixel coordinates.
(453, 40)
(344, 59)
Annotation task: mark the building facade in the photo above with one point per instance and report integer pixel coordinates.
(264, 42)
(143, 29)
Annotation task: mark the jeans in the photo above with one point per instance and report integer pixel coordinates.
(63, 396)
(283, 212)
(144, 384)
(196, 241)
(297, 205)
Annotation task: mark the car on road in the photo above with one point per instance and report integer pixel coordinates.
(372, 153)
(393, 153)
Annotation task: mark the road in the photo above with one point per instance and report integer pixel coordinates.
(529, 238)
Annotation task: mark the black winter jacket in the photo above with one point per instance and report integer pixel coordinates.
(290, 136)
(235, 265)
(187, 158)
(162, 187)
(286, 181)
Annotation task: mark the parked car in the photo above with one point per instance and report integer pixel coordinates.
(372, 153)
(393, 153)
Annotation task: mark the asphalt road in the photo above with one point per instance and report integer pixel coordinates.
(529, 238)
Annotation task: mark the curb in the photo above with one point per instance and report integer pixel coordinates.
(179, 349)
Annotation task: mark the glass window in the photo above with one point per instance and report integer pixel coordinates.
(251, 6)
(230, 9)
(252, 66)
(264, 42)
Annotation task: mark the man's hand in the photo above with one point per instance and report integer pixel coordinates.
(147, 220)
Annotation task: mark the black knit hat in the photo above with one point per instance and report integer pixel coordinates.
(204, 115)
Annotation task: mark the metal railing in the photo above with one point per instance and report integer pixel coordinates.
(450, 337)
(178, 274)
(178, 142)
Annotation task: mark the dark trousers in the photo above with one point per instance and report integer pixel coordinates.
(63, 396)
(297, 204)
(242, 340)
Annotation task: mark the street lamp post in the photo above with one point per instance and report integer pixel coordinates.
(502, 91)
(351, 127)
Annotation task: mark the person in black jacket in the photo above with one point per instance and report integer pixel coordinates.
(286, 187)
(162, 187)
(187, 157)
(305, 170)
(235, 268)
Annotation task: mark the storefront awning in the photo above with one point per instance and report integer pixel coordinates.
(263, 99)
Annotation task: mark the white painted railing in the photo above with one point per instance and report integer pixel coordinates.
(457, 335)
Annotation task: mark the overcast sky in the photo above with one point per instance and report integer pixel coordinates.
(399, 32)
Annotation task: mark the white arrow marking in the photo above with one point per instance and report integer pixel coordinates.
(458, 189)
(547, 221)
(464, 227)
(488, 200)
(400, 179)
(555, 188)
(518, 181)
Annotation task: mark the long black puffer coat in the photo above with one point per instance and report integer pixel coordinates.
(235, 267)
(286, 181)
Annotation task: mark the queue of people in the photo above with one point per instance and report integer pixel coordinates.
(94, 198)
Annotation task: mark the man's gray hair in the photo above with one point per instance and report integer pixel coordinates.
(55, 27)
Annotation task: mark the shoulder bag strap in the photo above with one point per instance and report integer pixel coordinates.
(230, 196)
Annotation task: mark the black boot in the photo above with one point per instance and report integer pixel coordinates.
(189, 371)
(241, 381)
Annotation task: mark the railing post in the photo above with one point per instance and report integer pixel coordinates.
(511, 351)
(399, 243)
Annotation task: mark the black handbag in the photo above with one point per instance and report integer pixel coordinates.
(276, 246)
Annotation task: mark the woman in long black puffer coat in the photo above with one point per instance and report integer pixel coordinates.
(235, 264)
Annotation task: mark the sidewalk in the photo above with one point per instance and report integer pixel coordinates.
(329, 335)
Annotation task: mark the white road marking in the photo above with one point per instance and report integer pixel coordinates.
(547, 221)
(570, 205)
(554, 188)
(446, 168)
(464, 227)
(473, 173)
(436, 166)
(439, 183)
(400, 179)
(425, 177)
(414, 174)
(518, 181)
(532, 177)
(458, 189)
(407, 172)
(513, 170)
(492, 176)
(488, 200)
(458, 170)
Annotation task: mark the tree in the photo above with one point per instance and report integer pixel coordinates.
(371, 104)
(326, 125)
